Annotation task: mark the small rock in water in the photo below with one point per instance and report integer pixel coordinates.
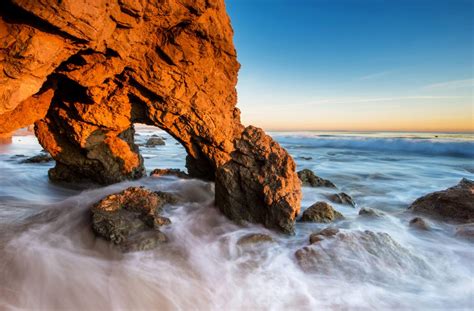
(155, 141)
(40, 158)
(321, 235)
(125, 217)
(342, 198)
(305, 158)
(321, 212)
(254, 238)
(170, 172)
(466, 231)
(419, 223)
(359, 254)
(308, 178)
(155, 135)
(369, 212)
(453, 204)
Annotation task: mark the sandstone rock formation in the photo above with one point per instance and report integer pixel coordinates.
(259, 183)
(86, 71)
(453, 204)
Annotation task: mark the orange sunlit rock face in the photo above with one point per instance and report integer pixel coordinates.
(99, 66)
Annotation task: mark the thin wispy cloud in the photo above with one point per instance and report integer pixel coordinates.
(357, 100)
(376, 75)
(451, 85)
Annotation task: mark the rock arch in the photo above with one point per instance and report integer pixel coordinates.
(85, 71)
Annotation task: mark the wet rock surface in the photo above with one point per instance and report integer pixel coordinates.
(454, 204)
(254, 238)
(169, 172)
(131, 218)
(155, 141)
(321, 212)
(342, 198)
(309, 179)
(370, 212)
(465, 231)
(40, 158)
(358, 254)
(321, 235)
(419, 223)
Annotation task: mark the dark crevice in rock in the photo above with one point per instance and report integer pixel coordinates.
(165, 57)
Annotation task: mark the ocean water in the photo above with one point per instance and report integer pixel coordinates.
(50, 260)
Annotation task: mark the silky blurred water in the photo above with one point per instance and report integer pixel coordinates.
(50, 260)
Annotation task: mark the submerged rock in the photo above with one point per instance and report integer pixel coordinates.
(309, 179)
(126, 218)
(321, 235)
(466, 231)
(419, 223)
(359, 255)
(453, 204)
(155, 135)
(143, 241)
(254, 238)
(321, 212)
(40, 158)
(169, 172)
(155, 141)
(370, 212)
(342, 198)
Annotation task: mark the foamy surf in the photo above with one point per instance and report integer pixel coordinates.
(52, 261)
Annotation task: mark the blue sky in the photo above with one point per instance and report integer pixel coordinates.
(355, 65)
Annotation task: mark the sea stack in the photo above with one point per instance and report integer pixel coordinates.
(84, 72)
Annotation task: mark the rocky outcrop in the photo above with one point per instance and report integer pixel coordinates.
(453, 204)
(321, 212)
(309, 179)
(155, 141)
(259, 184)
(86, 71)
(342, 198)
(131, 218)
(40, 158)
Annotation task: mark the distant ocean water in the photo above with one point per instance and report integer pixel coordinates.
(51, 260)
(446, 144)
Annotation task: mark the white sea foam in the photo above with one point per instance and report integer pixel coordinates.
(50, 260)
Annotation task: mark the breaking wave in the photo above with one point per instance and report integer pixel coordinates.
(458, 148)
